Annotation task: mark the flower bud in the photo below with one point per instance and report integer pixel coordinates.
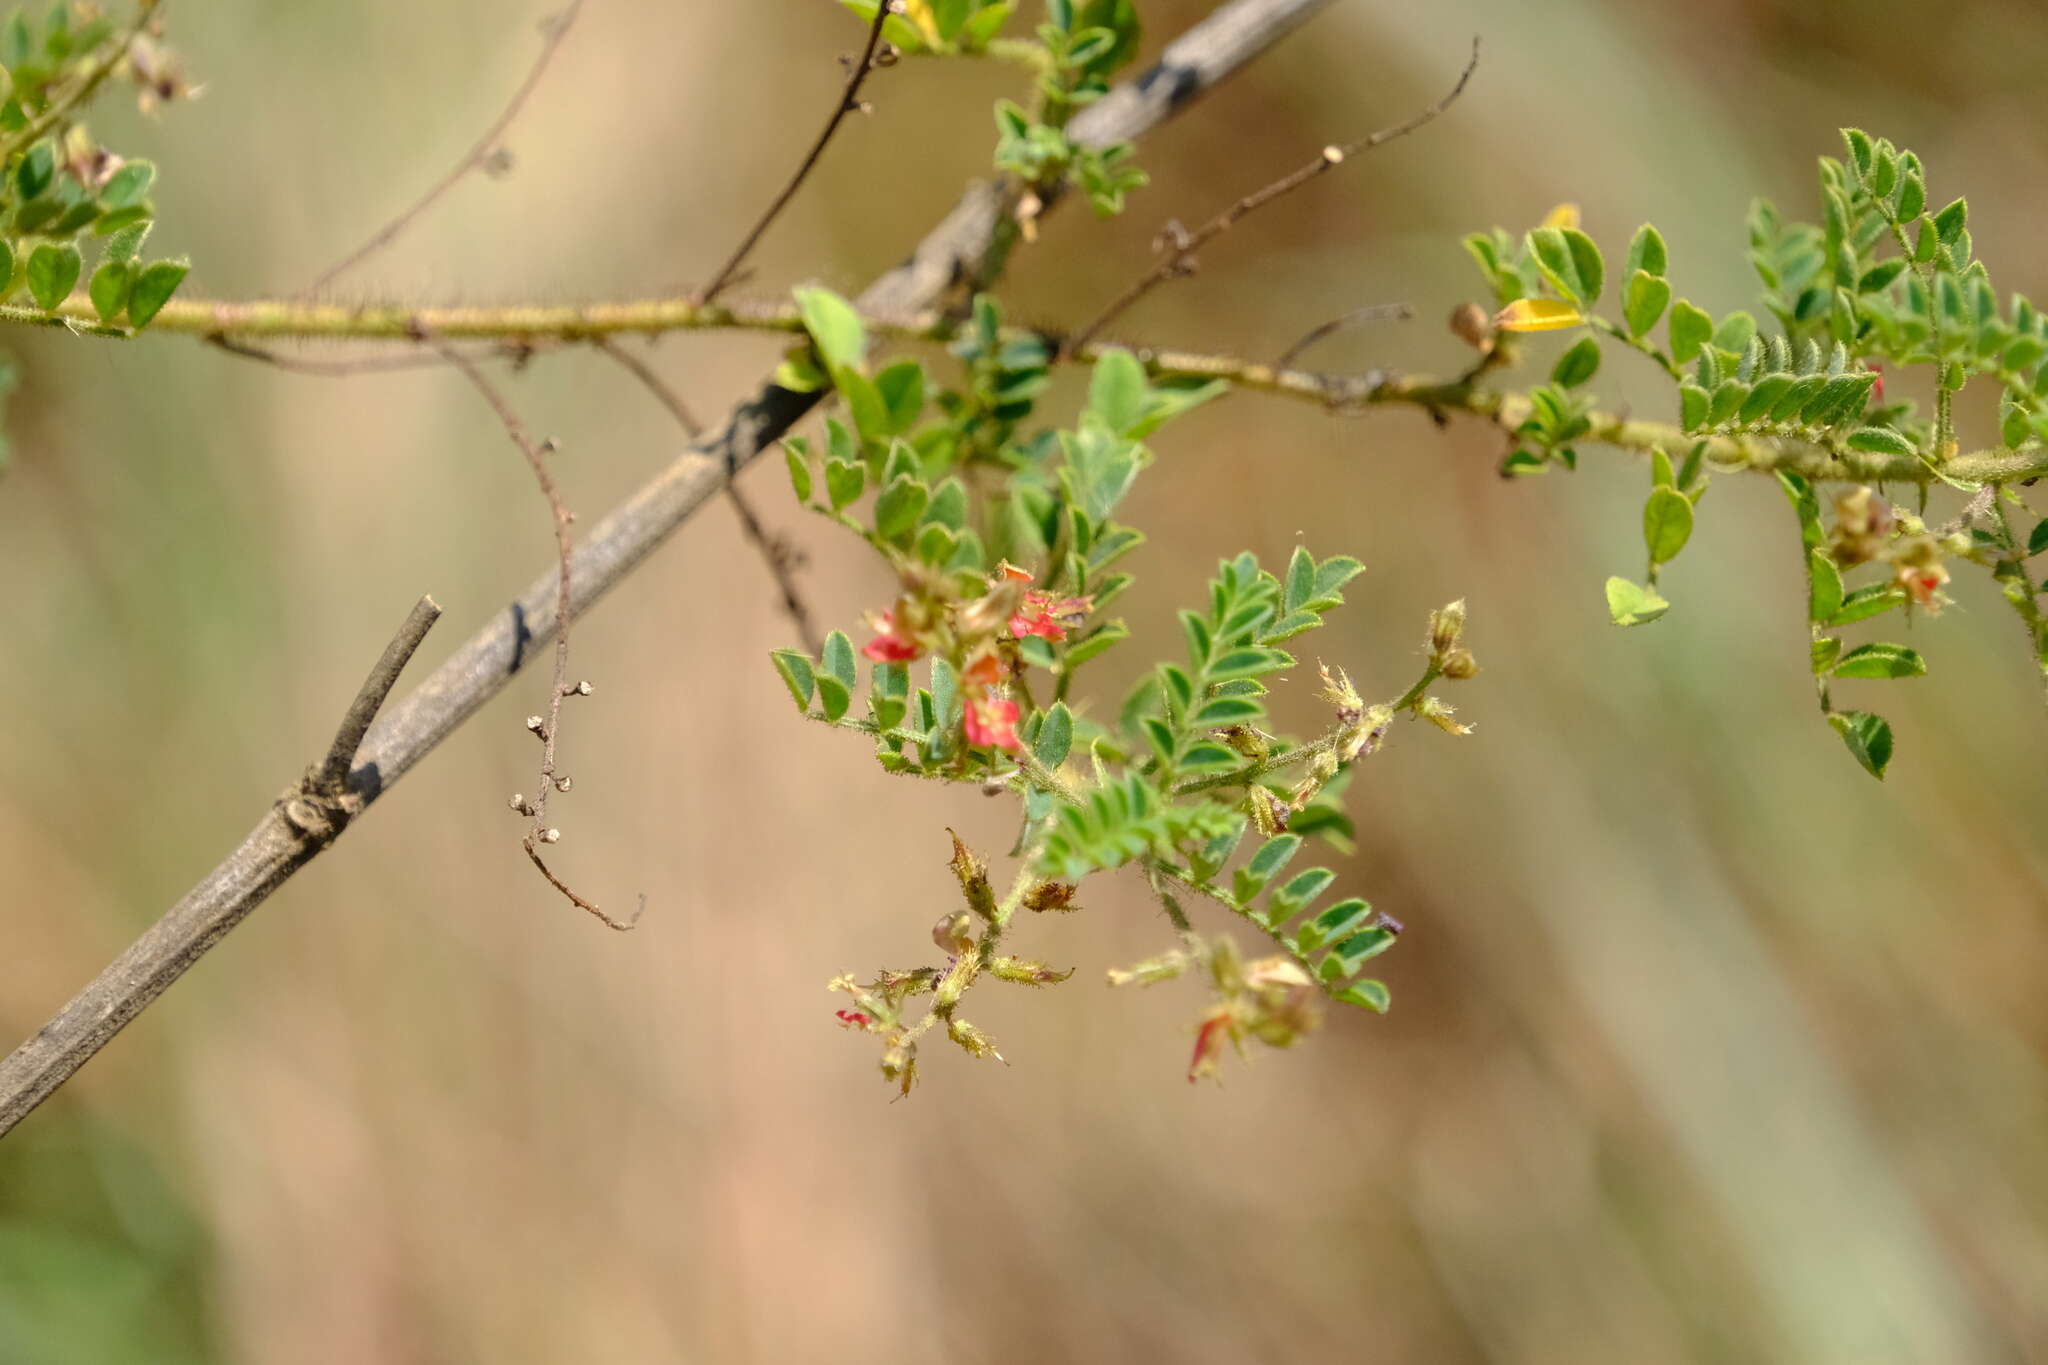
(973, 875)
(1446, 626)
(1470, 325)
(1436, 713)
(1459, 664)
(1026, 971)
(971, 1038)
(899, 1064)
(1165, 967)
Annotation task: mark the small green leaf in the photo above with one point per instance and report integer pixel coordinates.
(838, 659)
(898, 508)
(1879, 441)
(37, 169)
(844, 480)
(901, 388)
(1644, 302)
(1869, 739)
(1881, 661)
(1116, 390)
(1646, 252)
(153, 289)
(834, 326)
(1693, 403)
(109, 289)
(1578, 364)
(52, 272)
(128, 185)
(1367, 992)
(1667, 524)
(795, 668)
(1631, 604)
(1261, 867)
(1948, 224)
(796, 456)
(1691, 329)
(1824, 587)
(1055, 736)
(1661, 475)
(1219, 711)
(1570, 261)
(1865, 603)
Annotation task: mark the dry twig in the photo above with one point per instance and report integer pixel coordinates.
(480, 156)
(849, 100)
(775, 553)
(548, 727)
(309, 816)
(1177, 246)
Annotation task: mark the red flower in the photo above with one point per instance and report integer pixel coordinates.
(992, 723)
(983, 670)
(1046, 616)
(891, 646)
(1877, 385)
(852, 1018)
(1006, 569)
(1209, 1040)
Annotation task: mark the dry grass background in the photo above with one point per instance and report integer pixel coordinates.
(1705, 1046)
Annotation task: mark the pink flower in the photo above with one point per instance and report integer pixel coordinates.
(1047, 616)
(1209, 1040)
(991, 723)
(890, 646)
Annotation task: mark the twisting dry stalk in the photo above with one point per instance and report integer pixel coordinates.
(773, 553)
(548, 727)
(479, 156)
(849, 100)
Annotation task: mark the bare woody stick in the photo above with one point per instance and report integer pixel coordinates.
(1196, 62)
(309, 816)
(479, 157)
(1178, 247)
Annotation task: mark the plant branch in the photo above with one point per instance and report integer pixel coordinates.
(553, 31)
(1177, 247)
(549, 728)
(310, 815)
(1194, 63)
(774, 554)
(849, 100)
(899, 314)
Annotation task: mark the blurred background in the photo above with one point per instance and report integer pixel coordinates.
(1705, 1046)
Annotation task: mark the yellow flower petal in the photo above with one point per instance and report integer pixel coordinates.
(1563, 216)
(1537, 315)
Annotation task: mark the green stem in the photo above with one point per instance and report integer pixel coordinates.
(522, 328)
